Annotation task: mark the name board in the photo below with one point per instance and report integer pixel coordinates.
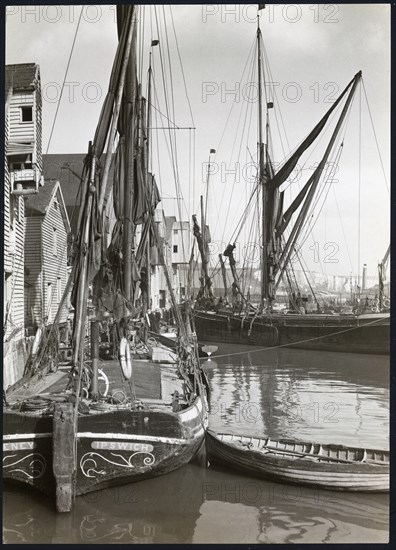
(19, 446)
(121, 446)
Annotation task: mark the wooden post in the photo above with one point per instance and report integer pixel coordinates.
(63, 455)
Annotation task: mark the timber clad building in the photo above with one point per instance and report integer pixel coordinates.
(23, 174)
(35, 224)
(47, 226)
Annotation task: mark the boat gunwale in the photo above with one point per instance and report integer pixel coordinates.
(330, 446)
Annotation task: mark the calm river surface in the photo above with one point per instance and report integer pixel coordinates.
(326, 397)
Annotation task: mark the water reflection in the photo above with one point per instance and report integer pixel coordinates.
(198, 505)
(290, 393)
(245, 509)
(331, 398)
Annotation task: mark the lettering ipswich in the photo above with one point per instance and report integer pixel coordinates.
(121, 446)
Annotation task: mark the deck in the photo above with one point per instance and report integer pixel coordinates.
(150, 382)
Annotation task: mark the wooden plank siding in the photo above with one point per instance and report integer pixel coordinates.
(54, 261)
(37, 115)
(14, 349)
(6, 190)
(23, 89)
(33, 279)
(22, 131)
(17, 318)
(14, 233)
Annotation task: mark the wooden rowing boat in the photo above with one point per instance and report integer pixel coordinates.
(333, 467)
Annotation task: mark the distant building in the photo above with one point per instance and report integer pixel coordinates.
(173, 251)
(175, 235)
(180, 242)
(47, 227)
(23, 176)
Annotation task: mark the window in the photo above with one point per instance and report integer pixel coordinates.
(175, 231)
(175, 247)
(55, 243)
(27, 114)
(22, 162)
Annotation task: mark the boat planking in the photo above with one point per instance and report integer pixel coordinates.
(354, 334)
(331, 467)
(108, 447)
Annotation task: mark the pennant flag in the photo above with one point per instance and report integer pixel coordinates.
(261, 7)
(154, 42)
(212, 151)
(270, 105)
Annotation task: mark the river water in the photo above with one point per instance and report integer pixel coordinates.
(326, 397)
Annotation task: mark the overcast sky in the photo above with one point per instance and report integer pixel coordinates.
(313, 51)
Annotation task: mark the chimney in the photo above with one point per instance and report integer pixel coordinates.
(364, 278)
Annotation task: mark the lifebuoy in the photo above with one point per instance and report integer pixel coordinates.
(386, 302)
(125, 358)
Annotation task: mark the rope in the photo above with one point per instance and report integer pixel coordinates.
(375, 137)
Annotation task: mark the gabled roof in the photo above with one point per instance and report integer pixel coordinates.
(67, 169)
(38, 204)
(22, 76)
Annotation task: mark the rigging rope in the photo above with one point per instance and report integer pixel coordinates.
(64, 80)
(375, 136)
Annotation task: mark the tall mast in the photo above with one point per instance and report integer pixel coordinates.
(130, 115)
(262, 178)
(207, 185)
(148, 130)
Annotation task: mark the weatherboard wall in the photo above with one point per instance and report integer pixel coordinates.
(14, 350)
(33, 277)
(54, 259)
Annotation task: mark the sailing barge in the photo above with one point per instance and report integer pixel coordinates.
(332, 467)
(53, 447)
(279, 236)
(67, 443)
(367, 333)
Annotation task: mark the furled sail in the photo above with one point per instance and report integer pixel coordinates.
(284, 221)
(285, 171)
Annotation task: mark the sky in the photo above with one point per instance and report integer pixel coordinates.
(313, 52)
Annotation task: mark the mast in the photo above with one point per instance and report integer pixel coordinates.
(207, 186)
(148, 261)
(381, 278)
(201, 246)
(262, 179)
(224, 275)
(129, 163)
(150, 73)
(203, 229)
